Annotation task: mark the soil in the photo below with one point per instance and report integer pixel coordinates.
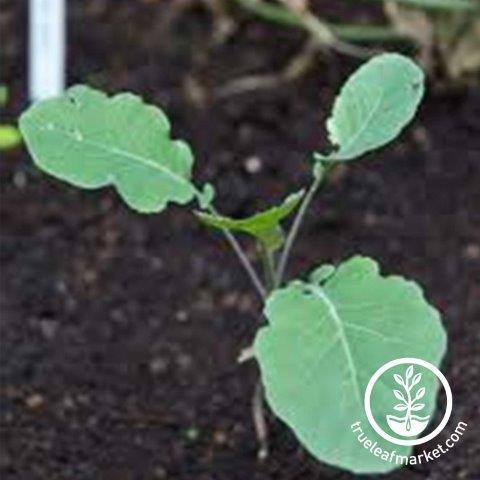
(120, 332)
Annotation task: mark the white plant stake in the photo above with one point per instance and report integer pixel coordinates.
(46, 48)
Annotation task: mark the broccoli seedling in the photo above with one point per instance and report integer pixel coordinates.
(326, 334)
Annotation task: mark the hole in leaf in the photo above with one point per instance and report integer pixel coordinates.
(73, 100)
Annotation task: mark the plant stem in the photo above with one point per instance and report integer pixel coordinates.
(242, 256)
(449, 5)
(292, 234)
(343, 32)
(268, 267)
(321, 32)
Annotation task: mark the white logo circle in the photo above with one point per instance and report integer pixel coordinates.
(409, 361)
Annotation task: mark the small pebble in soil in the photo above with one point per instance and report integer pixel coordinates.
(156, 263)
(34, 401)
(158, 365)
(253, 164)
(68, 403)
(159, 473)
(48, 328)
(472, 251)
(370, 219)
(192, 434)
(243, 302)
(19, 179)
(220, 437)
(184, 361)
(181, 316)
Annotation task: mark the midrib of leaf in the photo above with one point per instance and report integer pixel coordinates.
(370, 116)
(320, 293)
(123, 154)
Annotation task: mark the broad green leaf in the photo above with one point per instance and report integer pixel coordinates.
(92, 141)
(265, 226)
(374, 105)
(325, 340)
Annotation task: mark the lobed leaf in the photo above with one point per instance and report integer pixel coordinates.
(265, 226)
(92, 141)
(323, 343)
(374, 105)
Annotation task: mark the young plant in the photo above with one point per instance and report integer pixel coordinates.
(326, 334)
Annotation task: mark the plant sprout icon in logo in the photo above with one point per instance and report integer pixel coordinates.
(411, 424)
(405, 386)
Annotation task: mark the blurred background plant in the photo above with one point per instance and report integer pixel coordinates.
(443, 34)
(446, 34)
(9, 135)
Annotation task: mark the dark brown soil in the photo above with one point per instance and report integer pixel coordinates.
(120, 332)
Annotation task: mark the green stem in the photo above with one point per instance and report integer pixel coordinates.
(297, 222)
(268, 266)
(242, 256)
(355, 33)
(449, 5)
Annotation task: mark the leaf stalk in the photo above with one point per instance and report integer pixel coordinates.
(297, 222)
(243, 258)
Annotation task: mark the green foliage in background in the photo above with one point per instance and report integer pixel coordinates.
(444, 33)
(9, 136)
(324, 337)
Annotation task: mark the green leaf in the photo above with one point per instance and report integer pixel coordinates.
(92, 141)
(322, 273)
(265, 226)
(374, 105)
(205, 196)
(323, 343)
(9, 137)
(3, 95)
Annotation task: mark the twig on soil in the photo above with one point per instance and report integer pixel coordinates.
(259, 421)
(246, 354)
